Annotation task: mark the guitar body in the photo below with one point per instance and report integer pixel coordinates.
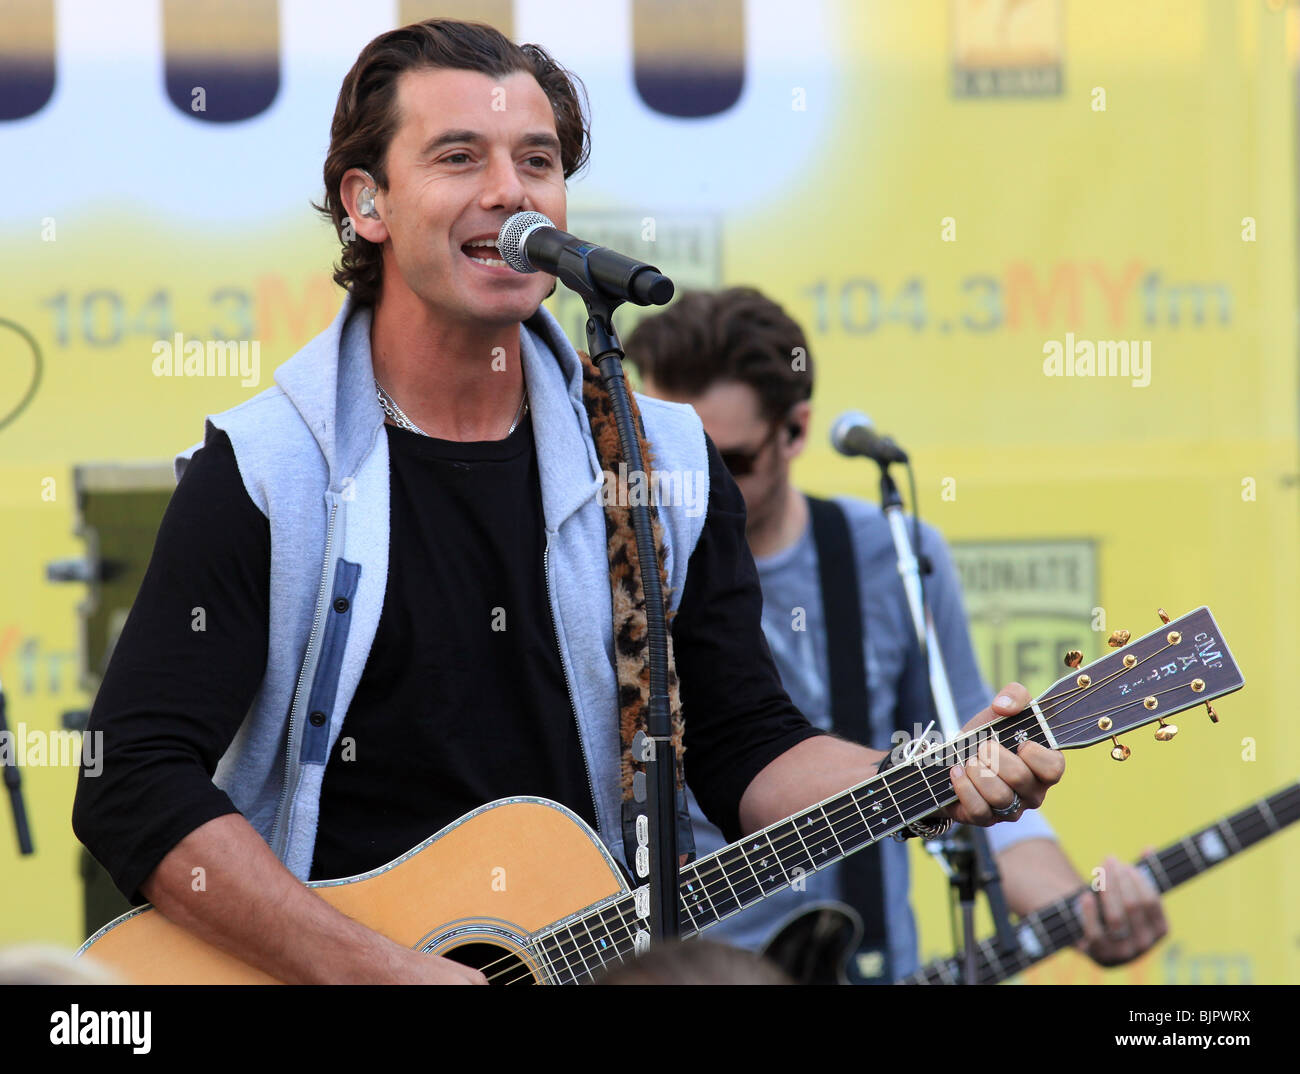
(472, 893)
(815, 945)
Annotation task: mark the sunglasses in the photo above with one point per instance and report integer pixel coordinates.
(740, 463)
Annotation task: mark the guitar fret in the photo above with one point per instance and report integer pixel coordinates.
(818, 830)
(1180, 863)
(1230, 836)
(577, 948)
(989, 950)
(1197, 859)
(631, 934)
(609, 939)
(811, 860)
(743, 881)
(865, 823)
(1157, 866)
(559, 946)
(848, 825)
(877, 810)
(1035, 923)
(947, 971)
(596, 949)
(921, 767)
(1018, 958)
(779, 863)
(902, 816)
(758, 886)
(686, 901)
(703, 889)
(831, 828)
(722, 895)
(1286, 804)
(793, 825)
(551, 971)
(594, 943)
(1267, 814)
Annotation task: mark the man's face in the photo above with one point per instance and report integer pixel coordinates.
(733, 418)
(470, 150)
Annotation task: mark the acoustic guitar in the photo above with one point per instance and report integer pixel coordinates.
(523, 890)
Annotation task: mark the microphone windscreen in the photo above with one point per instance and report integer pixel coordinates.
(510, 240)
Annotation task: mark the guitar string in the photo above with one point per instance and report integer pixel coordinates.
(1065, 917)
(1057, 703)
(599, 914)
(1048, 702)
(834, 817)
(594, 945)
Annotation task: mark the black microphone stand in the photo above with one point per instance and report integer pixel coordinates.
(13, 781)
(963, 852)
(655, 855)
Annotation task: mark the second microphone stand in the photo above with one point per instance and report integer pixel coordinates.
(964, 852)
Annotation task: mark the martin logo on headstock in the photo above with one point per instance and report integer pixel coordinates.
(1182, 664)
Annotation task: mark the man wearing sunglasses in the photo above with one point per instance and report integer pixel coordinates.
(745, 366)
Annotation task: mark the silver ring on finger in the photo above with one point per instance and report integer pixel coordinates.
(1010, 810)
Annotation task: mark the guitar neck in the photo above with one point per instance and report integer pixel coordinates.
(744, 873)
(1046, 931)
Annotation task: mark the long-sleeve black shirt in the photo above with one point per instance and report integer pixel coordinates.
(456, 706)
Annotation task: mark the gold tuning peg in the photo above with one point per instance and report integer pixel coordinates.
(1164, 616)
(1120, 752)
(1118, 638)
(1166, 731)
(1073, 658)
(1214, 716)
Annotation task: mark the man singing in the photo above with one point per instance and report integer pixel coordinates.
(398, 559)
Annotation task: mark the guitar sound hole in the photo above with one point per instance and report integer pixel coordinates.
(499, 965)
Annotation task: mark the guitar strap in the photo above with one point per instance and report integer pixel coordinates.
(837, 569)
(631, 641)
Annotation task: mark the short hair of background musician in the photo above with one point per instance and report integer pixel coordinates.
(365, 117)
(739, 334)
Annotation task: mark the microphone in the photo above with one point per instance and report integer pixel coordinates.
(529, 242)
(854, 434)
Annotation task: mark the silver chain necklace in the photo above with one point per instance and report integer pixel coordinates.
(403, 422)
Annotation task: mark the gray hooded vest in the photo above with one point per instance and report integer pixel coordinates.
(313, 456)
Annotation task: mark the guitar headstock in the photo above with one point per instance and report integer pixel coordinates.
(1184, 663)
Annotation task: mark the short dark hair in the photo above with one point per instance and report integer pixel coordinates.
(707, 337)
(365, 118)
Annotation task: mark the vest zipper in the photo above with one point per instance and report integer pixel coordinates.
(281, 826)
(564, 670)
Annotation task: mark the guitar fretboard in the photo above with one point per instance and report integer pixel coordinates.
(1054, 927)
(715, 887)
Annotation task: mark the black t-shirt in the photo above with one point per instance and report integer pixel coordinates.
(464, 666)
(462, 699)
